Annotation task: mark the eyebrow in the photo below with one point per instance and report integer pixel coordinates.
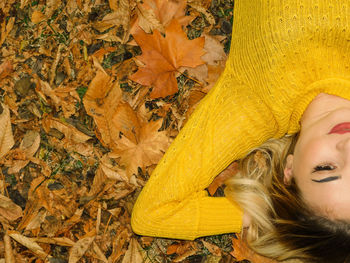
(327, 179)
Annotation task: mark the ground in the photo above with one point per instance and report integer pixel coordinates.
(80, 119)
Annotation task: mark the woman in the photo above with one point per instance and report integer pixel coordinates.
(287, 75)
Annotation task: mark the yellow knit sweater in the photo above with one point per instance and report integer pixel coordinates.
(281, 57)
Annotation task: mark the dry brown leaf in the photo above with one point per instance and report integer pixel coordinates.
(204, 3)
(6, 136)
(28, 243)
(36, 220)
(214, 50)
(214, 55)
(241, 251)
(37, 17)
(200, 8)
(106, 176)
(133, 254)
(64, 97)
(5, 30)
(79, 249)
(6, 68)
(24, 3)
(28, 147)
(158, 14)
(51, 6)
(103, 102)
(60, 241)
(179, 248)
(164, 56)
(98, 252)
(214, 249)
(220, 179)
(69, 131)
(9, 258)
(146, 20)
(8, 209)
(214, 73)
(144, 148)
(120, 16)
(119, 241)
(185, 255)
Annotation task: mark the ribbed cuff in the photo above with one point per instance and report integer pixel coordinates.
(217, 215)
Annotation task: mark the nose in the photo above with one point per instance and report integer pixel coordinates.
(344, 143)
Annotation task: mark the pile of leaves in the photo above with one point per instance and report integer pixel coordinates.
(92, 93)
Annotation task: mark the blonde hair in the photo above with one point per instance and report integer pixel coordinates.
(282, 225)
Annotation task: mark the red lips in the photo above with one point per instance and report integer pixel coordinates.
(341, 128)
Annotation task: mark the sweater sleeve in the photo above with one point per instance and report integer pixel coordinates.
(227, 123)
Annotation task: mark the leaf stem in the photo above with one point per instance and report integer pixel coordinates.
(200, 83)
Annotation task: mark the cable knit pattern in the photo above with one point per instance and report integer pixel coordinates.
(283, 54)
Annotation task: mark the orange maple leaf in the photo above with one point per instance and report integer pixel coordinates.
(163, 56)
(144, 148)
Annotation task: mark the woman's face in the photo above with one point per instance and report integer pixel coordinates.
(320, 163)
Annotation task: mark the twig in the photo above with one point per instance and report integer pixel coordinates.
(109, 219)
(200, 83)
(9, 257)
(4, 184)
(54, 65)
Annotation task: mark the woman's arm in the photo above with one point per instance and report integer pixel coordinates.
(227, 123)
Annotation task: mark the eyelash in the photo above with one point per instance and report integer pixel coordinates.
(324, 167)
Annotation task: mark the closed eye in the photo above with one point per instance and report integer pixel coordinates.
(325, 167)
(327, 179)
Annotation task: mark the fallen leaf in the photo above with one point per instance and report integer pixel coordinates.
(179, 248)
(8, 209)
(133, 254)
(6, 68)
(214, 249)
(163, 56)
(6, 136)
(69, 131)
(106, 176)
(241, 251)
(219, 180)
(37, 17)
(98, 252)
(26, 151)
(9, 258)
(119, 17)
(214, 55)
(51, 6)
(28, 243)
(144, 148)
(60, 241)
(79, 249)
(119, 241)
(203, 10)
(214, 73)
(103, 101)
(158, 14)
